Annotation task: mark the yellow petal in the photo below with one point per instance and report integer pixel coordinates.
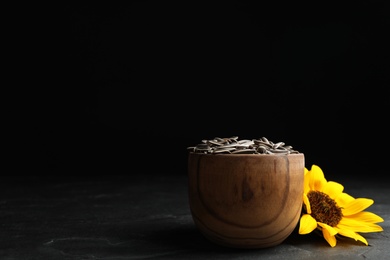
(352, 234)
(333, 189)
(307, 203)
(329, 234)
(358, 226)
(356, 206)
(344, 199)
(306, 186)
(366, 217)
(307, 224)
(332, 231)
(316, 178)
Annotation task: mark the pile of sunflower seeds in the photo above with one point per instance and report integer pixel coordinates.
(233, 145)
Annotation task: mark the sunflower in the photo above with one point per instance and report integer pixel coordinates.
(328, 209)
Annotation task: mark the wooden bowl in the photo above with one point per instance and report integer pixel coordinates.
(245, 200)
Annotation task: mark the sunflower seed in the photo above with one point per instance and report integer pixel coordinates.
(235, 146)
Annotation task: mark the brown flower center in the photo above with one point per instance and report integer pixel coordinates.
(324, 209)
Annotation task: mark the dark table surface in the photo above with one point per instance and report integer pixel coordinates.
(147, 217)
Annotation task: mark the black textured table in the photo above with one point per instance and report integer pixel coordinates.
(146, 217)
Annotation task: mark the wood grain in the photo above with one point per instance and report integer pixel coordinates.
(245, 200)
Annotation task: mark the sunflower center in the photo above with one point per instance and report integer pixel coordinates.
(324, 209)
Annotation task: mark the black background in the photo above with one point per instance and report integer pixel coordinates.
(126, 88)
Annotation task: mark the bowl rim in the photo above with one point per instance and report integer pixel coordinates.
(246, 154)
